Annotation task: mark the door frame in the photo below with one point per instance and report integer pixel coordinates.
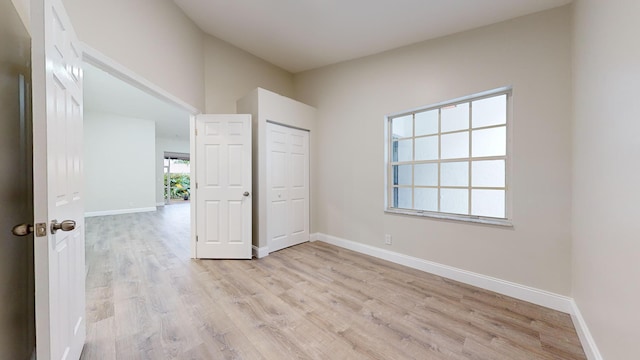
(105, 63)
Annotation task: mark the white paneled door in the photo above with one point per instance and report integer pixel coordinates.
(58, 194)
(223, 186)
(287, 186)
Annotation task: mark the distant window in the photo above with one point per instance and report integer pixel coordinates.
(450, 159)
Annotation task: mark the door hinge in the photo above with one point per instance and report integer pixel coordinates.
(197, 238)
(196, 186)
(196, 132)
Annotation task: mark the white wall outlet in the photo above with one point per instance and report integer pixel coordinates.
(387, 239)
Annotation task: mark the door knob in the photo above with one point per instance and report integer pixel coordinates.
(22, 230)
(66, 225)
(246, 193)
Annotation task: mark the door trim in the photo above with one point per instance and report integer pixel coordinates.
(288, 126)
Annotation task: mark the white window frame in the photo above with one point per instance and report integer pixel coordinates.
(507, 221)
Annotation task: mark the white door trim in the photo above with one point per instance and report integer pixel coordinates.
(288, 126)
(193, 246)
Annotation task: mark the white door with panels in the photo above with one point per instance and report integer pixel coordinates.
(58, 177)
(223, 187)
(287, 186)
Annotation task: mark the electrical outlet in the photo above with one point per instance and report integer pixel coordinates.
(387, 239)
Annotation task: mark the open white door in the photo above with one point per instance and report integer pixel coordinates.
(58, 196)
(223, 186)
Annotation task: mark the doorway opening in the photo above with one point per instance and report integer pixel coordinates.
(177, 178)
(135, 120)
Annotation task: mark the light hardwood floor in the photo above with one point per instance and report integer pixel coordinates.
(147, 300)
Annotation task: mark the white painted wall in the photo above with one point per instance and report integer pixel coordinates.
(606, 154)
(162, 145)
(231, 73)
(119, 164)
(264, 105)
(533, 54)
(153, 38)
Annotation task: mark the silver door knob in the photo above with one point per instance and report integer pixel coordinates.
(66, 225)
(246, 193)
(22, 230)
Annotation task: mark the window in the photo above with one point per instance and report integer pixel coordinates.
(450, 160)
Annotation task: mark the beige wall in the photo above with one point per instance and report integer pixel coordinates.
(231, 73)
(606, 175)
(533, 55)
(157, 41)
(153, 38)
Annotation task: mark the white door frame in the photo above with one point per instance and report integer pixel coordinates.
(105, 63)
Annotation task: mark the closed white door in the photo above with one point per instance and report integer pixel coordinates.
(223, 186)
(287, 186)
(58, 175)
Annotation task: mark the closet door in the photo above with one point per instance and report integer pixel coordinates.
(287, 186)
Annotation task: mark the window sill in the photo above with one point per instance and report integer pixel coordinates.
(462, 218)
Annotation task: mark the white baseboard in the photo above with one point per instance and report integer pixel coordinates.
(160, 203)
(518, 291)
(588, 344)
(536, 296)
(119, 212)
(260, 252)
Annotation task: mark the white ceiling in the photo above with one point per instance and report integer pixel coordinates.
(107, 94)
(299, 35)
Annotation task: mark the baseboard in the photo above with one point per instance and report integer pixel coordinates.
(160, 203)
(588, 344)
(119, 212)
(518, 291)
(260, 252)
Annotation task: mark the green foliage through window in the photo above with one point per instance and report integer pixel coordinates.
(180, 186)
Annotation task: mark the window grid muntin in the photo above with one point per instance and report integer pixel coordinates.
(447, 132)
(470, 159)
(470, 192)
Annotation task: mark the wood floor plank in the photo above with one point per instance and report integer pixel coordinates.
(146, 299)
